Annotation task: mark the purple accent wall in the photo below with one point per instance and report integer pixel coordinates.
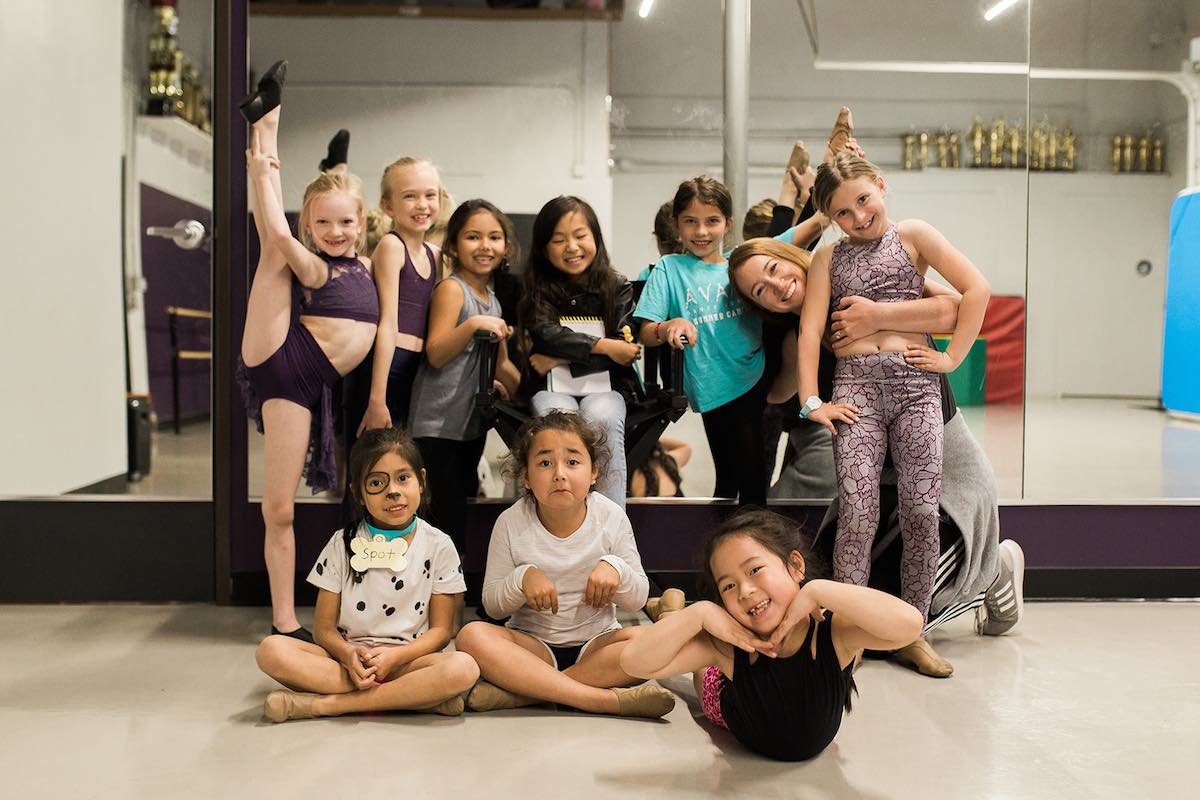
(175, 277)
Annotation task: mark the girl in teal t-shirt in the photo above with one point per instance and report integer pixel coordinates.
(688, 296)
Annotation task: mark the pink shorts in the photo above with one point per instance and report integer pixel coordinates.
(711, 686)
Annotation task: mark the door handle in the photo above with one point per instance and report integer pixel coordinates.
(188, 234)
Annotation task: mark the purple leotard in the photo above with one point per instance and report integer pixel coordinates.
(412, 313)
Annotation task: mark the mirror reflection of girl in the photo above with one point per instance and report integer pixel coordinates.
(379, 392)
(380, 633)
(288, 367)
(688, 297)
(442, 418)
(560, 562)
(773, 657)
(885, 394)
(568, 275)
(658, 475)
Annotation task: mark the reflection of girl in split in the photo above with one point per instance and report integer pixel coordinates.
(288, 367)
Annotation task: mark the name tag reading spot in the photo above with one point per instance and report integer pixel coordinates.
(378, 553)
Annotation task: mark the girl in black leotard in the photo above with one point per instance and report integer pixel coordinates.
(773, 657)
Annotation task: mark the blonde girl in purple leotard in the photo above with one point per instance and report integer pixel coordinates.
(884, 395)
(289, 367)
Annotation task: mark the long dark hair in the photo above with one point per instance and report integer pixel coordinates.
(545, 283)
(780, 536)
(373, 445)
(649, 474)
(458, 220)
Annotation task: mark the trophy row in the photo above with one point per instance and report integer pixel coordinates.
(173, 86)
(1000, 145)
(1137, 154)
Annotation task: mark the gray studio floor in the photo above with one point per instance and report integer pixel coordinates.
(1087, 700)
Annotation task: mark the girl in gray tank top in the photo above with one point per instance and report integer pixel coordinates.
(442, 419)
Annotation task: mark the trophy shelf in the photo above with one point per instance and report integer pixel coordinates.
(178, 135)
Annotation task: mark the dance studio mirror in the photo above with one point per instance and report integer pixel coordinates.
(620, 111)
(115, 396)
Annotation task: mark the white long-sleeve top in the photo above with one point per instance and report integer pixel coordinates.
(520, 541)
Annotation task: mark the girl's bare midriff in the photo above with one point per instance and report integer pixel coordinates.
(345, 342)
(881, 342)
(406, 341)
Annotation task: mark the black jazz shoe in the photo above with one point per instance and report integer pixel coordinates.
(268, 96)
(339, 151)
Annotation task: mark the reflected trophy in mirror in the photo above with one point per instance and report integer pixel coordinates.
(1116, 154)
(909, 143)
(943, 151)
(954, 150)
(1037, 147)
(188, 234)
(1016, 144)
(1126, 153)
(923, 150)
(1143, 154)
(1156, 156)
(977, 142)
(1070, 149)
(996, 143)
(1051, 161)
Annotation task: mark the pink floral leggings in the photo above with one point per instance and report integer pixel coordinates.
(898, 406)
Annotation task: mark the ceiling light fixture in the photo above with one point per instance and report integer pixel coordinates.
(998, 9)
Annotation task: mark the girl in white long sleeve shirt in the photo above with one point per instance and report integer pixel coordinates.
(559, 563)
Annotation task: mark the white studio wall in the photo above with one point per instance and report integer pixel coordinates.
(509, 110)
(63, 408)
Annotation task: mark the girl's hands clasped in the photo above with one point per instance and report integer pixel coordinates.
(540, 592)
(386, 661)
(829, 413)
(353, 660)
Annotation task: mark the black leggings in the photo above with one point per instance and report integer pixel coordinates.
(735, 439)
(452, 476)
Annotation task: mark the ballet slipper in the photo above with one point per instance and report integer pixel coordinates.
(338, 151)
(449, 708)
(648, 700)
(282, 705)
(921, 657)
(489, 697)
(653, 608)
(672, 600)
(268, 96)
(842, 132)
(799, 159)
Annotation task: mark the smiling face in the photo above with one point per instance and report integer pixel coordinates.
(559, 472)
(702, 228)
(413, 197)
(857, 208)
(334, 224)
(754, 585)
(772, 283)
(391, 491)
(572, 246)
(480, 245)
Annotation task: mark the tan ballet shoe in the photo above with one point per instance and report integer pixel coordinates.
(842, 132)
(452, 707)
(282, 705)
(653, 607)
(672, 600)
(921, 656)
(799, 158)
(648, 700)
(489, 697)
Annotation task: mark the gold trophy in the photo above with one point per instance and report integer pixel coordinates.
(1069, 149)
(1116, 154)
(943, 150)
(165, 78)
(909, 144)
(923, 149)
(1143, 154)
(996, 143)
(1051, 161)
(1126, 153)
(1037, 147)
(1156, 155)
(976, 134)
(953, 145)
(1016, 137)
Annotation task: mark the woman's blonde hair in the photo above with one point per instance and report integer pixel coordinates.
(329, 183)
(772, 248)
(385, 185)
(845, 167)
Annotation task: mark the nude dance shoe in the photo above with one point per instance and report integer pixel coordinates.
(490, 697)
(283, 705)
(452, 707)
(920, 656)
(842, 132)
(649, 700)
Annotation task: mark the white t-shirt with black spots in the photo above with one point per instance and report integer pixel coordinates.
(386, 607)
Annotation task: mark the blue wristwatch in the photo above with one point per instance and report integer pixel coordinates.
(810, 405)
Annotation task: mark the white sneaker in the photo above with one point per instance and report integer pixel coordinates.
(1004, 602)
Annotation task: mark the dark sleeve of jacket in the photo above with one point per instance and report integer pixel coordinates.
(781, 219)
(624, 315)
(554, 339)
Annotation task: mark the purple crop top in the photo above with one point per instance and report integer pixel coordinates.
(412, 312)
(349, 293)
(881, 271)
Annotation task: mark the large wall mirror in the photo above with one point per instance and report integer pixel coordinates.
(619, 110)
(108, 334)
